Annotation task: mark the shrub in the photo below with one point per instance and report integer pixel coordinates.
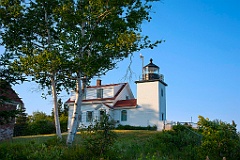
(220, 139)
(99, 138)
(128, 127)
(41, 127)
(63, 122)
(30, 151)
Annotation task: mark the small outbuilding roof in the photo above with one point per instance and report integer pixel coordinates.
(8, 95)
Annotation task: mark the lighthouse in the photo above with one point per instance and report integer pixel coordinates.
(151, 94)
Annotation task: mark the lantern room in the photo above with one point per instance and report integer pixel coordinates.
(151, 71)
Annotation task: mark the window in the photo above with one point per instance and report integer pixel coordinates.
(89, 116)
(124, 115)
(127, 97)
(102, 113)
(162, 92)
(99, 93)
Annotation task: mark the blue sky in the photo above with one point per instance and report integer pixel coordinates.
(200, 61)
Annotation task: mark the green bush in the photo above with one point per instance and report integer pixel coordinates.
(128, 127)
(40, 123)
(30, 151)
(20, 130)
(63, 122)
(214, 140)
(41, 127)
(99, 138)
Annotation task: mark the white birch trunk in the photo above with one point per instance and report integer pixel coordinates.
(53, 85)
(55, 109)
(76, 112)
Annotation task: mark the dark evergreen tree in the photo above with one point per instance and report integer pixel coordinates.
(20, 128)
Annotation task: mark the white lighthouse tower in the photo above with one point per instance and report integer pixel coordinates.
(151, 95)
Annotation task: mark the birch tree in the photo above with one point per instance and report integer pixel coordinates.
(98, 34)
(64, 41)
(29, 33)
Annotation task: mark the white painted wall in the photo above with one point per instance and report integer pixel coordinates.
(163, 101)
(88, 107)
(151, 105)
(116, 88)
(91, 93)
(125, 92)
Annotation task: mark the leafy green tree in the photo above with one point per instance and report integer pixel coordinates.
(7, 73)
(96, 35)
(63, 44)
(220, 139)
(8, 77)
(64, 122)
(31, 24)
(40, 123)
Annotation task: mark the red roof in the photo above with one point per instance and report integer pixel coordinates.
(126, 103)
(101, 86)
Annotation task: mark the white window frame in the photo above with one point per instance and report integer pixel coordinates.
(100, 93)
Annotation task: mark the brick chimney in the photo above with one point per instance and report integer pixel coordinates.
(99, 82)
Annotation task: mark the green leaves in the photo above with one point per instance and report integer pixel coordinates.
(57, 42)
(220, 139)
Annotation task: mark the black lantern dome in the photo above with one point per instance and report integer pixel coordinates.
(151, 71)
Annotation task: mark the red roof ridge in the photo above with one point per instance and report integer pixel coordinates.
(108, 105)
(106, 85)
(120, 90)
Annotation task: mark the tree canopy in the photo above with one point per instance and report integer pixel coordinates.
(220, 139)
(59, 43)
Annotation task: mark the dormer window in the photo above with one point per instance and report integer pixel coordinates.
(100, 93)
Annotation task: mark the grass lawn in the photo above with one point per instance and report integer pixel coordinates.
(129, 144)
(123, 135)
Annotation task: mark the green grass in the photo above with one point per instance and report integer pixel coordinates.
(128, 142)
(132, 144)
(126, 135)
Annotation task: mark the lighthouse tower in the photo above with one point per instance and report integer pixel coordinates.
(151, 94)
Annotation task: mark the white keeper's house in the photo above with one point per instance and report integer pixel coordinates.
(117, 100)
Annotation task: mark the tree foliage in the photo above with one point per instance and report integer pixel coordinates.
(40, 123)
(99, 137)
(220, 139)
(20, 127)
(61, 43)
(7, 101)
